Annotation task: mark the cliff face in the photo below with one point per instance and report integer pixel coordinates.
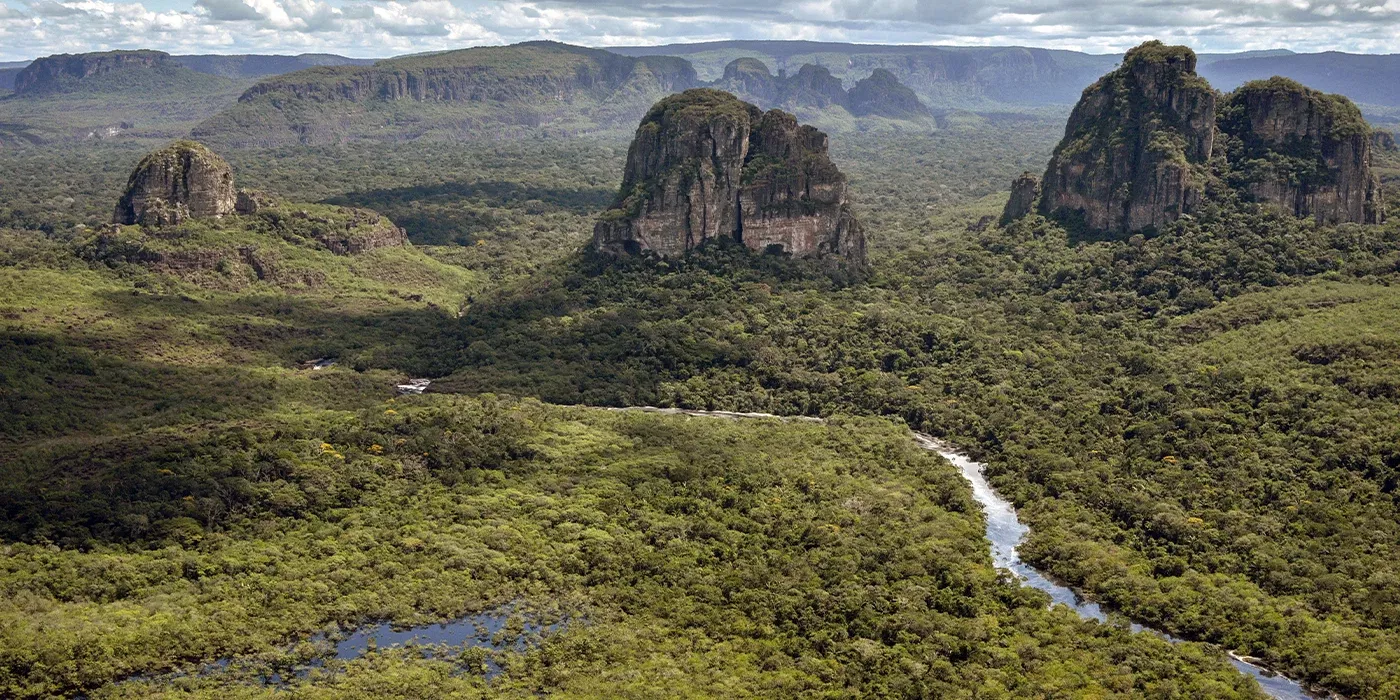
(1301, 150)
(55, 73)
(1136, 145)
(705, 165)
(182, 181)
(1024, 190)
(793, 197)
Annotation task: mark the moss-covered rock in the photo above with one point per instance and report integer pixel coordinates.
(705, 165)
(1135, 149)
(181, 181)
(1304, 151)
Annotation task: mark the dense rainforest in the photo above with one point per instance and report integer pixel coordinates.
(1199, 424)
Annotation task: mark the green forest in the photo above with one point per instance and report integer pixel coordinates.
(1200, 424)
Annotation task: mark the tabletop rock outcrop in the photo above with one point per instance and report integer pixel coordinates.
(1306, 152)
(184, 180)
(1136, 145)
(58, 72)
(705, 166)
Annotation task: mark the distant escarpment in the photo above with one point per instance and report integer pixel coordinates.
(705, 166)
(813, 87)
(1301, 150)
(1144, 141)
(111, 71)
(1135, 148)
(536, 85)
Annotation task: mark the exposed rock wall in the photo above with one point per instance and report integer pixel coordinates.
(1023, 193)
(49, 74)
(793, 197)
(1301, 150)
(1136, 145)
(182, 181)
(705, 165)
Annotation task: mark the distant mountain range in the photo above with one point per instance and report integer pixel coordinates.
(235, 66)
(992, 77)
(558, 88)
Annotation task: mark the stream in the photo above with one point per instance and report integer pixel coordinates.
(1006, 532)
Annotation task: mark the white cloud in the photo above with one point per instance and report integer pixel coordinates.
(30, 28)
(229, 10)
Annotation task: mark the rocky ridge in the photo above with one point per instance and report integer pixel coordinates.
(1144, 141)
(706, 166)
(1135, 148)
(56, 73)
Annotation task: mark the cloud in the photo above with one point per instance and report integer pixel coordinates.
(229, 10)
(49, 8)
(30, 28)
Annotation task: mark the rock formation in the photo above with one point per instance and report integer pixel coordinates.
(1023, 193)
(705, 165)
(182, 181)
(814, 87)
(250, 202)
(55, 73)
(882, 94)
(1383, 141)
(750, 78)
(353, 231)
(1136, 146)
(1301, 150)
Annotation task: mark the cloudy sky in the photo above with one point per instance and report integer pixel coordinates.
(373, 28)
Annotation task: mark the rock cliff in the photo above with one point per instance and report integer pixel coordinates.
(1136, 145)
(57, 73)
(1023, 193)
(705, 165)
(181, 181)
(1301, 150)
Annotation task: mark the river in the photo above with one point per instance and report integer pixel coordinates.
(1006, 532)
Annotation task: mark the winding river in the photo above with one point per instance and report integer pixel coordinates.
(1006, 532)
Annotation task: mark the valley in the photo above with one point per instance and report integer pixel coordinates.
(1188, 395)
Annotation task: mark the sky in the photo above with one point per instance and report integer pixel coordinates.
(379, 28)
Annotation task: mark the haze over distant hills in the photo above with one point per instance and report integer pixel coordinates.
(227, 66)
(533, 86)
